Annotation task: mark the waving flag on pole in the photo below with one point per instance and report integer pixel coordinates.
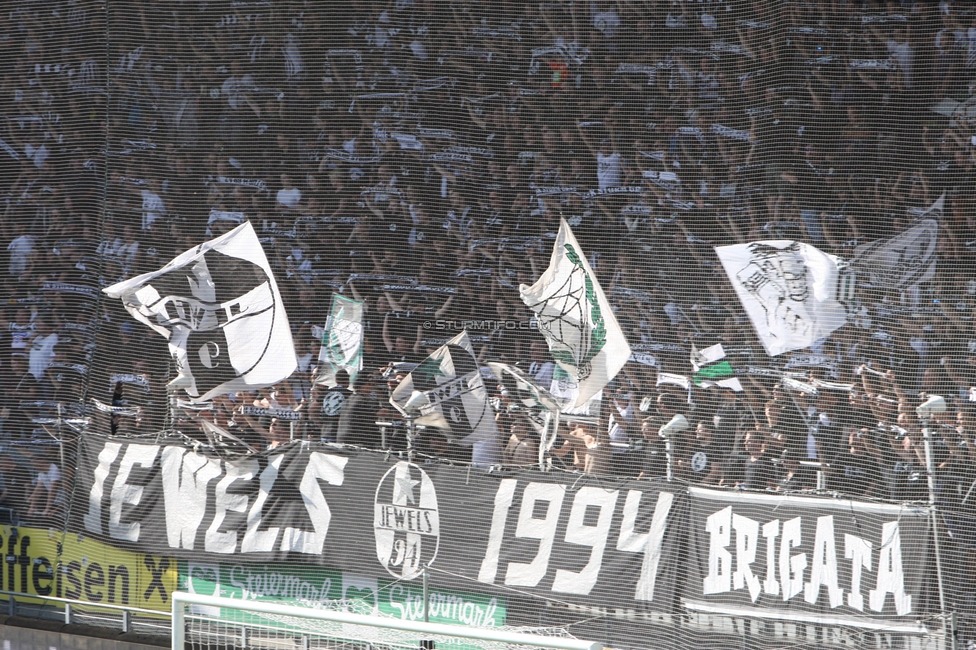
(790, 290)
(905, 259)
(531, 400)
(342, 342)
(576, 318)
(713, 369)
(450, 392)
(218, 306)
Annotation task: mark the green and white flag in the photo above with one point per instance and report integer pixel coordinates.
(566, 390)
(449, 393)
(713, 369)
(575, 316)
(342, 341)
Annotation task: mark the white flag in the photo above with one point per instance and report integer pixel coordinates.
(906, 259)
(219, 307)
(536, 403)
(450, 393)
(342, 341)
(575, 316)
(788, 289)
(671, 378)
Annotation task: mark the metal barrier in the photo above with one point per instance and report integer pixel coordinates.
(69, 606)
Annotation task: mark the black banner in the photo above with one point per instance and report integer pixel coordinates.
(594, 544)
(566, 538)
(809, 560)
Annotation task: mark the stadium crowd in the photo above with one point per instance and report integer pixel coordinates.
(418, 155)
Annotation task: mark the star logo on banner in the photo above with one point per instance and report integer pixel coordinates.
(403, 490)
(430, 369)
(407, 526)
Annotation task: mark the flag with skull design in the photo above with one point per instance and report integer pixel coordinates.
(790, 290)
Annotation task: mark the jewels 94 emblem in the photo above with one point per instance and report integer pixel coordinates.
(405, 521)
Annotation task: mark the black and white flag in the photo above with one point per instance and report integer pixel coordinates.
(450, 393)
(219, 307)
(906, 259)
(532, 401)
(788, 289)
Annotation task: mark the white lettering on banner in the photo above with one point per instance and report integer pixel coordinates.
(791, 568)
(649, 543)
(93, 520)
(719, 529)
(529, 574)
(257, 583)
(858, 551)
(746, 542)
(770, 533)
(406, 520)
(824, 569)
(126, 494)
(596, 536)
(217, 541)
(577, 532)
(891, 578)
(449, 606)
(256, 540)
(331, 469)
(406, 524)
(503, 503)
(185, 476)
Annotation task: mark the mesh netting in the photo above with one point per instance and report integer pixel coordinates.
(418, 157)
(217, 627)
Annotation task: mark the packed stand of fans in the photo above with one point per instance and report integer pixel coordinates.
(418, 155)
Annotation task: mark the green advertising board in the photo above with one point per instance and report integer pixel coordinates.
(323, 588)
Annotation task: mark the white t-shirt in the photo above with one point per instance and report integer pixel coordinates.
(42, 354)
(617, 432)
(289, 198)
(905, 56)
(541, 372)
(20, 249)
(608, 170)
(486, 453)
(152, 208)
(50, 477)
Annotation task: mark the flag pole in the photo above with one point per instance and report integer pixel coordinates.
(411, 438)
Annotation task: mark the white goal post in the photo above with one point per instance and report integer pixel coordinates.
(181, 602)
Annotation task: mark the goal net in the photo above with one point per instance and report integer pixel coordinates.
(211, 622)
